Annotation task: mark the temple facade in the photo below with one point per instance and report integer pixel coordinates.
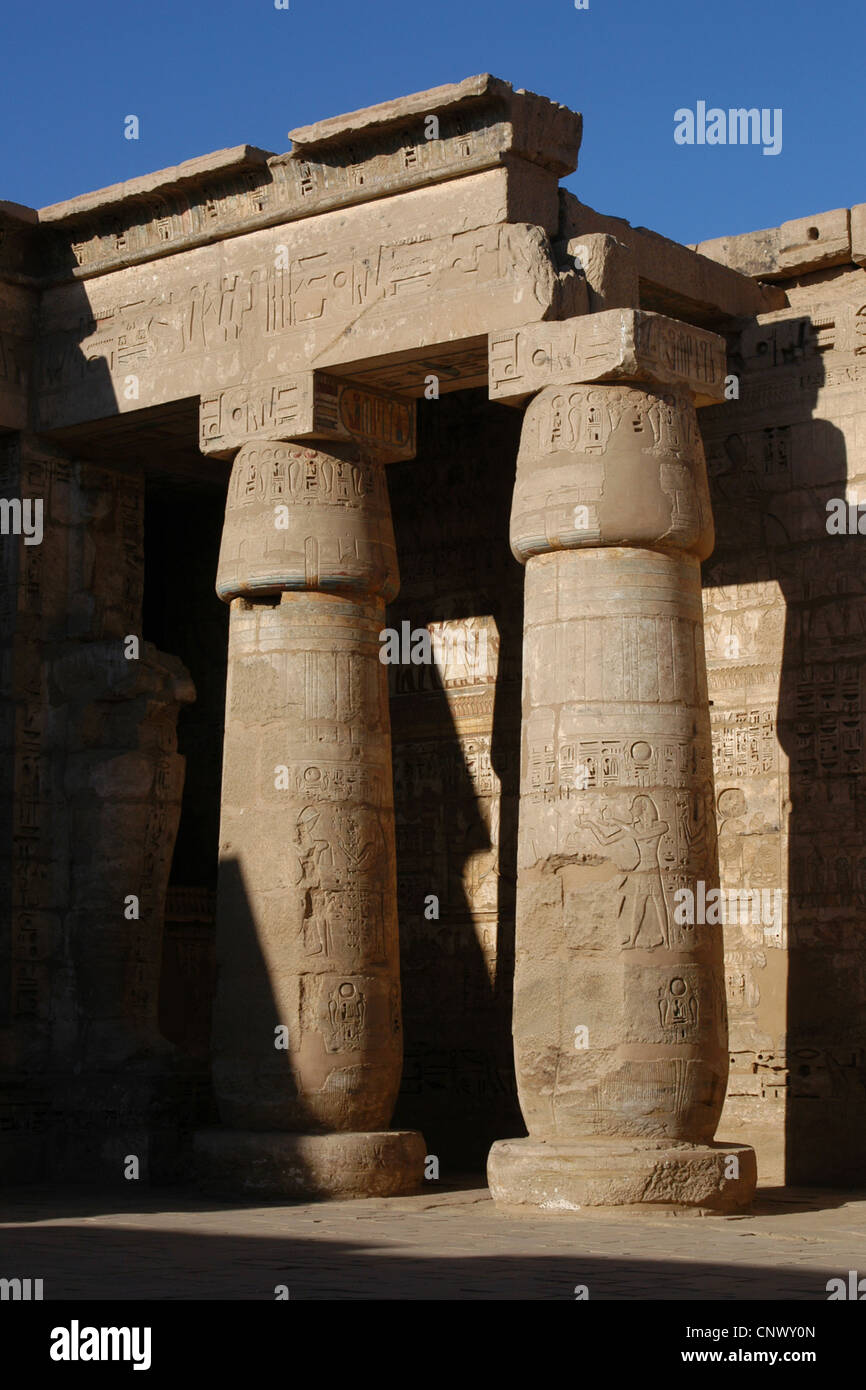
(433, 639)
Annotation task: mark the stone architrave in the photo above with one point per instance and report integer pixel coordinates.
(307, 1022)
(620, 1025)
(615, 345)
(306, 405)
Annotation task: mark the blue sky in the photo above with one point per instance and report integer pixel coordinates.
(205, 75)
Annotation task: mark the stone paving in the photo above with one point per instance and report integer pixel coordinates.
(442, 1244)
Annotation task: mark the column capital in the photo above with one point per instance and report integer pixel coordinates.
(308, 405)
(610, 464)
(616, 345)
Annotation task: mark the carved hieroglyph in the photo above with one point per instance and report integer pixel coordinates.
(308, 861)
(389, 281)
(614, 345)
(91, 798)
(785, 603)
(307, 1027)
(620, 1028)
(481, 123)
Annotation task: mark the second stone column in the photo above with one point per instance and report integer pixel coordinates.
(620, 1026)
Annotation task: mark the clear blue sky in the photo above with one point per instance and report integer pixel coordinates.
(205, 75)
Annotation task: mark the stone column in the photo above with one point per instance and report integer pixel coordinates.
(620, 1024)
(307, 1024)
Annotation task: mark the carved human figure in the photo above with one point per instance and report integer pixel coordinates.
(643, 896)
(311, 854)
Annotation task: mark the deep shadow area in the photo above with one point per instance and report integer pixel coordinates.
(456, 735)
(182, 614)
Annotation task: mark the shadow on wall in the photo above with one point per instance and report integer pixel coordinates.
(798, 1079)
(87, 1077)
(96, 786)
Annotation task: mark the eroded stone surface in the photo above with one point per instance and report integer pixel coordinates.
(620, 1025)
(307, 1027)
(310, 1165)
(558, 1177)
(802, 245)
(307, 295)
(673, 275)
(611, 345)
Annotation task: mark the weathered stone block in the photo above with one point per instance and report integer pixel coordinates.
(308, 405)
(531, 1177)
(858, 234)
(386, 1164)
(671, 275)
(610, 269)
(617, 345)
(339, 290)
(811, 243)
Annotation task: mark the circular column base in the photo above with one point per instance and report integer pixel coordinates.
(598, 1175)
(232, 1162)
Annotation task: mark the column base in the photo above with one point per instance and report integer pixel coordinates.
(597, 1175)
(386, 1163)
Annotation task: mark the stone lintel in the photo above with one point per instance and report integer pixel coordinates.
(531, 126)
(307, 405)
(797, 247)
(675, 279)
(617, 345)
(162, 182)
(372, 289)
(483, 124)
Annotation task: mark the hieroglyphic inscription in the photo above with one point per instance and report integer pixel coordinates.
(559, 770)
(259, 191)
(307, 405)
(616, 344)
(341, 870)
(299, 312)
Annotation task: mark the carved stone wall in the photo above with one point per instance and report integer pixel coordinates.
(785, 608)
(94, 784)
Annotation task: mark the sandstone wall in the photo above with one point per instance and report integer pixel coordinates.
(786, 640)
(91, 793)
